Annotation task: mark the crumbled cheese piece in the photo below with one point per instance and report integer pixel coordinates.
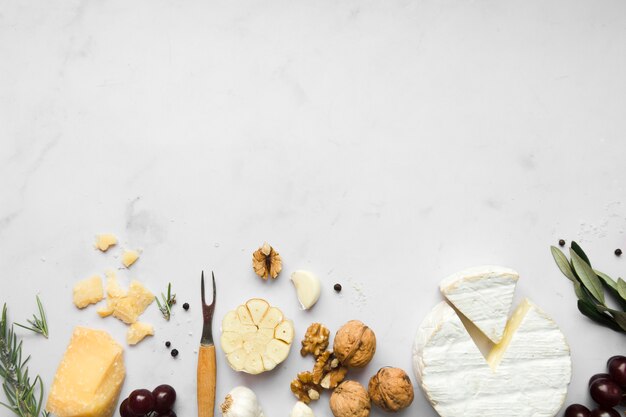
(90, 376)
(129, 257)
(127, 306)
(88, 291)
(138, 331)
(105, 241)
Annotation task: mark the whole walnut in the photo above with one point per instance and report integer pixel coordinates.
(355, 344)
(350, 399)
(391, 389)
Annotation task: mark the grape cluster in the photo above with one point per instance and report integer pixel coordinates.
(608, 390)
(143, 403)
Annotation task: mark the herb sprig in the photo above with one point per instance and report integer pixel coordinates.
(25, 399)
(37, 324)
(168, 301)
(590, 285)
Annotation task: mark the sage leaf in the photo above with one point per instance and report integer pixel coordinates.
(618, 316)
(621, 288)
(590, 311)
(580, 252)
(588, 278)
(563, 263)
(611, 286)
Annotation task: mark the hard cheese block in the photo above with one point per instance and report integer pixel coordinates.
(89, 378)
(526, 375)
(484, 295)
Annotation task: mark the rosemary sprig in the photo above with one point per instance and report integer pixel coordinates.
(37, 324)
(589, 286)
(25, 399)
(166, 305)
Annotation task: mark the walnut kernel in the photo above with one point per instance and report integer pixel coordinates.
(304, 388)
(266, 262)
(391, 389)
(328, 372)
(315, 340)
(355, 344)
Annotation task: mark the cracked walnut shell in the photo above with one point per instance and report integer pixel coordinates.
(266, 262)
(304, 388)
(355, 344)
(315, 340)
(328, 372)
(391, 389)
(350, 399)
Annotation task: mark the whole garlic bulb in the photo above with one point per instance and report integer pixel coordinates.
(241, 402)
(301, 410)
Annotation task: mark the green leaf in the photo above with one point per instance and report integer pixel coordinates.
(588, 278)
(590, 311)
(563, 263)
(606, 279)
(621, 288)
(618, 316)
(580, 252)
(611, 286)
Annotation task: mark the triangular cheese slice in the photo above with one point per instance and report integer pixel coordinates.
(525, 376)
(484, 295)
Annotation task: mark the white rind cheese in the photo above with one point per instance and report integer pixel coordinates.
(530, 379)
(484, 295)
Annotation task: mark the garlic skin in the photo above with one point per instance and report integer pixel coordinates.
(308, 288)
(241, 402)
(301, 410)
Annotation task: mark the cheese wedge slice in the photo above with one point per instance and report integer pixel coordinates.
(484, 295)
(89, 378)
(526, 375)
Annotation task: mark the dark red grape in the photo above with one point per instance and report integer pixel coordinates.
(164, 398)
(606, 392)
(577, 410)
(604, 412)
(598, 376)
(617, 369)
(141, 401)
(170, 413)
(125, 411)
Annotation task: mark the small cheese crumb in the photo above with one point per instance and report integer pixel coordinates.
(129, 257)
(138, 331)
(88, 291)
(105, 241)
(105, 311)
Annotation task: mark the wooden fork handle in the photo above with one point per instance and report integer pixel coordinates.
(207, 374)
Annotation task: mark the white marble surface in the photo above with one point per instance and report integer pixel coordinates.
(382, 145)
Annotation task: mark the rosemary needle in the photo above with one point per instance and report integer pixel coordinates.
(37, 324)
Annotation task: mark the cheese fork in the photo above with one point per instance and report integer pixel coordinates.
(207, 372)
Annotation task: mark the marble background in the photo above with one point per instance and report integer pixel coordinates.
(381, 144)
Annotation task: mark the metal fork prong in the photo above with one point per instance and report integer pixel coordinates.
(202, 288)
(213, 301)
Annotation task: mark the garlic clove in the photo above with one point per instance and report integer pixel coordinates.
(308, 288)
(301, 410)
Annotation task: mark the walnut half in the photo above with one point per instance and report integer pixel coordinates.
(315, 340)
(304, 388)
(267, 262)
(328, 372)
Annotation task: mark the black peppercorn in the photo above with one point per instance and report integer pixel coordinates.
(618, 251)
(168, 344)
(337, 287)
(174, 353)
(186, 306)
(561, 242)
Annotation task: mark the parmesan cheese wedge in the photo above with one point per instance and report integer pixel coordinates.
(89, 378)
